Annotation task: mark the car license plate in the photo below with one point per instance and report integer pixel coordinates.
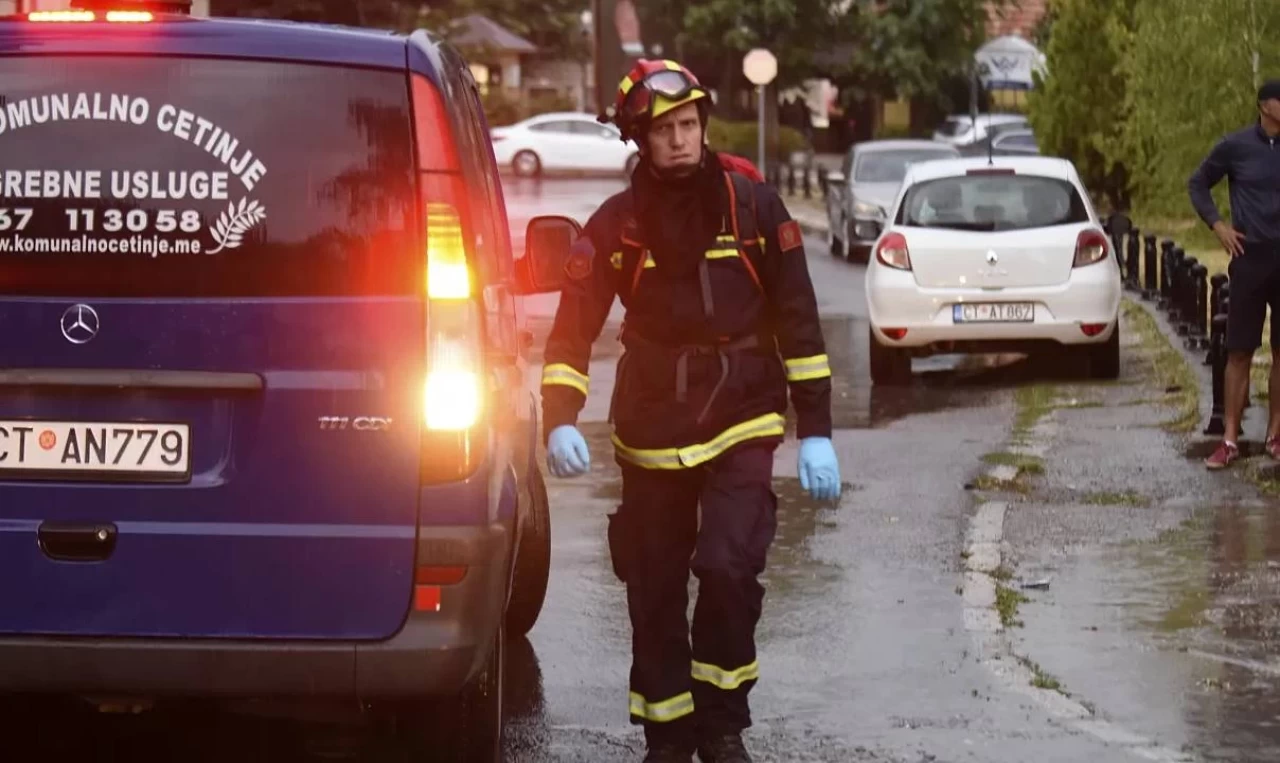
(994, 312)
(63, 449)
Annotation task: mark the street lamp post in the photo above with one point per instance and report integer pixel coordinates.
(760, 67)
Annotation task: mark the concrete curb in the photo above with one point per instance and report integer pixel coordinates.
(1195, 359)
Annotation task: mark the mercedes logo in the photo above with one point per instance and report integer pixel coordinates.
(991, 257)
(79, 324)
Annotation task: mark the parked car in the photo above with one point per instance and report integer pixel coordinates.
(563, 142)
(1011, 139)
(866, 185)
(262, 430)
(1002, 255)
(962, 131)
(1019, 142)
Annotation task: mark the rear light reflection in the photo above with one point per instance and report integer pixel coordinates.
(130, 17)
(436, 575)
(61, 17)
(426, 598)
(894, 334)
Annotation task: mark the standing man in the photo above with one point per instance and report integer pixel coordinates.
(721, 320)
(1250, 160)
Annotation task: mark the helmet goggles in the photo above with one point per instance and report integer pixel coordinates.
(671, 84)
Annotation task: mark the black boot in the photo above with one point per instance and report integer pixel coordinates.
(668, 753)
(724, 748)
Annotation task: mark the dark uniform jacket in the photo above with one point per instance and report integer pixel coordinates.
(709, 356)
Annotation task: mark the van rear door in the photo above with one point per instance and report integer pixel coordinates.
(211, 300)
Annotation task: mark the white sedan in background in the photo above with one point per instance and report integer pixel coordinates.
(562, 142)
(1002, 255)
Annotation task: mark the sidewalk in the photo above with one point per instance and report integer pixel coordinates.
(1114, 580)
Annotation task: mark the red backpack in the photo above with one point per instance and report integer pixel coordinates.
(741, 166)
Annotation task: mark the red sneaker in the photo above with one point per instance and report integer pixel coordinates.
(1273, 447)
(1223, 456)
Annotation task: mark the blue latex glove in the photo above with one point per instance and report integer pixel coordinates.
(567, 454)
(819, 469)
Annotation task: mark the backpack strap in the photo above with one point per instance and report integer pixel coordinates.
(746, 229)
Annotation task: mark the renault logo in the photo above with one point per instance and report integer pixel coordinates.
(991, 257)
(79, 324)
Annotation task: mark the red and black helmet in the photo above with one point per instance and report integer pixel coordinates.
(651, 89)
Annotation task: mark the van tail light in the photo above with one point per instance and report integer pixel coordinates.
(1091, 247)
(454, 390)
(892, 251)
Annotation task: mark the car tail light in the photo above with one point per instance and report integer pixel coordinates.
(1093, 329)
(454, 391)
(892, 252)
(1091, 247)
(894, 334)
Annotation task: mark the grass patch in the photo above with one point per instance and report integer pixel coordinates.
(1003, 574)
(1007, 603)
(1034, 403)
(990, 484)
(1168, 369)
(1024, 464)
(1042, 680)
(1108, 498)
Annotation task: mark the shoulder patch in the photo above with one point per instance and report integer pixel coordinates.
(581, 255)
(789, 236)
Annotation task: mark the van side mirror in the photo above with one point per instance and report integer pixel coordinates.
(547, 241)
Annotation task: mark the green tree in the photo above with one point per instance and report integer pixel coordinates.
(1078, 108)
(1192, 72)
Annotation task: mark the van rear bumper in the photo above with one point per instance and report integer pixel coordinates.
(433, 654)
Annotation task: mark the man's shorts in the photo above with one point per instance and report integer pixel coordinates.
(1255, 284)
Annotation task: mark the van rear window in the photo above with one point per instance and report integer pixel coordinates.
(169, 177)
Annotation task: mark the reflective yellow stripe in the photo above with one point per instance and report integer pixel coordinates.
(721, 254)
(565, 375)
(626, 84)
(804, 369)
(725, 679)
(768, 425)
(672, 65)
(667, 710)
(615, 260)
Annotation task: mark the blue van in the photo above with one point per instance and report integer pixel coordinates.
(263, 426)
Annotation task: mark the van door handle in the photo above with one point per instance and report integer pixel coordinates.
(74, 542)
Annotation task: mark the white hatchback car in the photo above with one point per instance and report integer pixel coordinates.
(993, 255)
(563, 142)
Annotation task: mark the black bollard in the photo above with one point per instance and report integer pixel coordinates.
(1135, 246)
(1198, 301)
(791, 180)
(1216, 286)
(1133, 261)
(808, 189)
(1149, 286)
(1187, 306)
(1218, 351)
(1177, 258)
(822, 181)
(1166, 265)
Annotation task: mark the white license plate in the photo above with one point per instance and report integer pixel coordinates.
(994, 312)
(61, 449)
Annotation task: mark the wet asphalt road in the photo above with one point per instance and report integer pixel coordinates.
(863, 651)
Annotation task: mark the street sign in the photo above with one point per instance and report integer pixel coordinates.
(760, 66)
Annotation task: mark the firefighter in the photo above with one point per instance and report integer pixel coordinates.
(721, 322)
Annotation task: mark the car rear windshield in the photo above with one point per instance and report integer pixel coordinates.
(891, 166)
(992, 203)
(169, 177)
